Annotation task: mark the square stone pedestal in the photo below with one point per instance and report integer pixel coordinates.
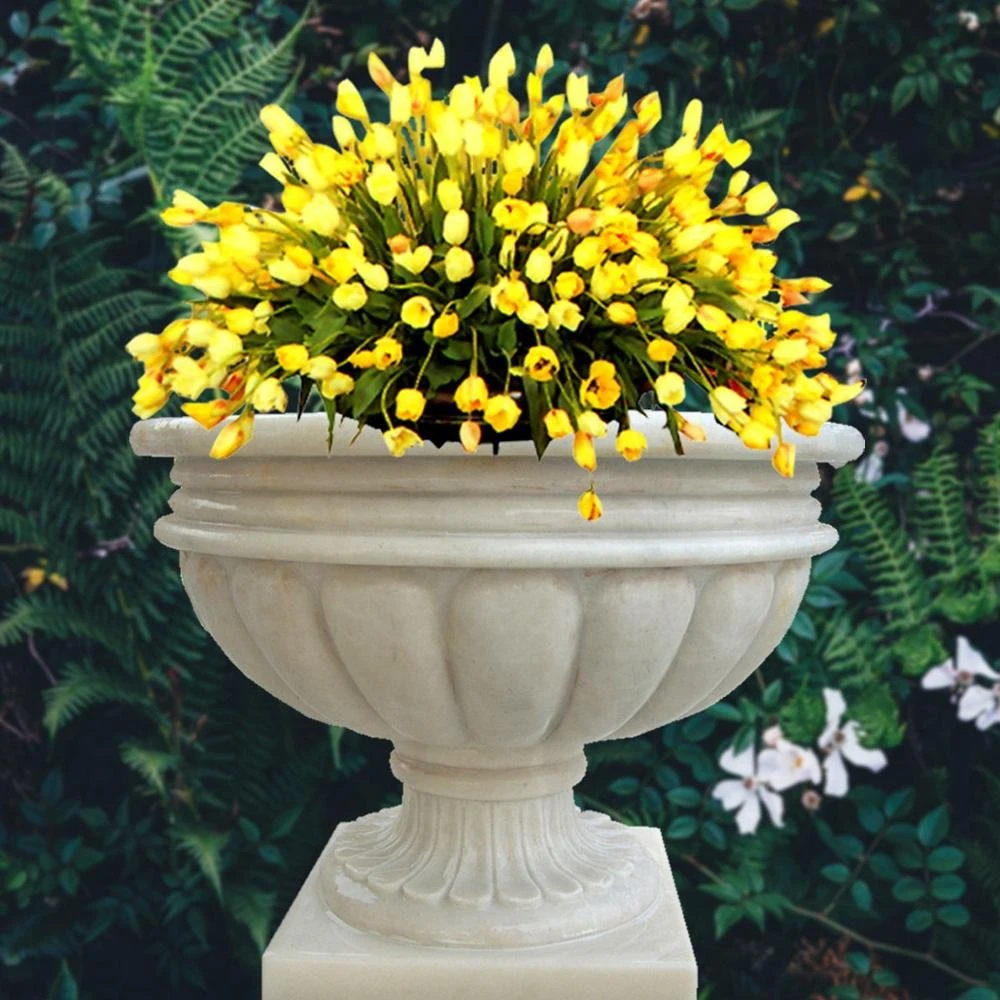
(316, 956)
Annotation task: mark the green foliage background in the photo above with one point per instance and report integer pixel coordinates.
(157, 812)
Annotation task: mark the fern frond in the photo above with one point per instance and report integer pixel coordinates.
(867, 521)
(938, 514)
(986, 482)
(81, 686)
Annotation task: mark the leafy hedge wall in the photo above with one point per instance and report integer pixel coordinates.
(157, 812)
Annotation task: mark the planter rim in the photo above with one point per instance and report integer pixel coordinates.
(283, 436)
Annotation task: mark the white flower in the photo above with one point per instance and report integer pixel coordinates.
(787, 764)
(912, 428)
(958, 673)
(869, 469)
(840, 743)
(982, 704)
(968, 19)
(748, 793)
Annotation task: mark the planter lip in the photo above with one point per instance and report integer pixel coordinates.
(283, 436)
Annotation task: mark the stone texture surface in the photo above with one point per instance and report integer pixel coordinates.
(315, 956)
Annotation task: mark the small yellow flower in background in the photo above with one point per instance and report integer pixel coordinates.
(589, 505)
(410, 404)
(631, 444)
(458, 264)
(669, 388)
(783, 459)
(319, 368)
(501, 413)
(622, 313)
(388, 352)
(583, 451)
(292, 357)
(541, 363)
(269, 396)
(362, 359)
(862, 188)
(336, 384)
(600, 389)
(446, 325)
(34, 577)
(350, 296)
(417, 312)
(400, 440)
(233, 436)
(470, 434)
(471, 394)
(557, 424)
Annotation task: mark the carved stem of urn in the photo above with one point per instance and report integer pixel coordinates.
(484, 853)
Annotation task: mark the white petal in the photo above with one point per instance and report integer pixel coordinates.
(969, 659)
(774, 804)
(748, 818)
(731, 794)
(941, 676)
(741, 763)
(976, 700)
(811, 771)
(988, 718)
(770, 764)
(835, 708)
(836, 775)
(861, 756)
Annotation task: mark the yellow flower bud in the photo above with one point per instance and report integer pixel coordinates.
(410, 404)
(622, 313)
(319, 368)
(590, 506)
(471, 394)
(760, 199)
(538, 266)
(143, 346)
(541, 363)
(350, 296)
(349, 102)
(569, 285)
(269, 396)
(383, 183)
(577, 93)
(458, 264)
(362, 359)
(590, 423)
(399, 440)
(533, 314)
(501, 67)
(417, 312)
(321, 215)
(336, 384)
(185, 210)
(224, 346)
(374, 276)
(558, 424)
(449, 194)
(388, 352)
(631, 444)
(783, 460)
(210, 413)
(233, 436)
(692, 431)
(726, 403)
(149, 397)
(470, 434)
(583, 451)
(501, 413)
(670, 389)
(448, 133)
(292, 357)
(660, 350)
(565, 314)
(456, 226)
(446, 325)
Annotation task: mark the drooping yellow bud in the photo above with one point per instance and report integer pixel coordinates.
(558, 424)
(449, 194)
(538, 266)
(383, 183)
(455, 228)
(410, 404)
(292, 357)
(622, 313)
(470, 434)
(670, 389)
(388, 352)
(631, 444)
(350, 296)
(583, 451)
(501, 413)
(233, 436)
(783, 459)
(399, 440)
(269, 396)
(471, 394)
(661, 350)
(458, 264)
(417, 312)
(589, 505)
(590, 423)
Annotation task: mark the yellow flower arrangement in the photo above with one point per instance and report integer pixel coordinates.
(478, 251)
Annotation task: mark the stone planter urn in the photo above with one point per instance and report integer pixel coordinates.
(458, 606)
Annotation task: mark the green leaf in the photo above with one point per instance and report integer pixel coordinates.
(476, 297)
(205, 846)
(367, 389)
(933, 828)
(909, 889)
(718, 20)
(803, 717)
(742, 4)
(842, 231)
(837, 873)
(682, 828)
(64, 987)
(20, 23)
(713, 835)
(625, 786)
(979, 993)
(919, 921)
(686, 798)
(898, 804)
(726, 917)
(904, 92)
(945, 859)
(947, 888)
(953, 915)
(862, 895)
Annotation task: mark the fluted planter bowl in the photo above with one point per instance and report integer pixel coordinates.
(458, 606)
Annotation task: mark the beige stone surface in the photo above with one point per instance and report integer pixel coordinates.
(315, 956)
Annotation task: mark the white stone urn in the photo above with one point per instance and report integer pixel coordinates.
(458, 606)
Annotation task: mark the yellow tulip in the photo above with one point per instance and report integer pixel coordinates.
(417, 312)
(583, 451)
(388, 352)
(630, 444)
(662, 351)
(399, 440)
(783, 460)
(557, 424)
(383, 183)
(471, 394)
(292, 357)
(269, 396)
(622, 313)
(670, 389)
(470, 434)
(446, 325)
(455, 228)
(538, 266)
(541, 363)
(458, 264)
(501, 413)
(410, 404)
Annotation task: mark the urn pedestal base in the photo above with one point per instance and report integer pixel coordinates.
(316, 956)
